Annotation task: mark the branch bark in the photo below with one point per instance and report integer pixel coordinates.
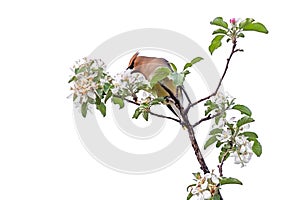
(195, 145)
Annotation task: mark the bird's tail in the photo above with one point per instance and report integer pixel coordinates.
(174, 100)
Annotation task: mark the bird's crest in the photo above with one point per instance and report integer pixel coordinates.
(131, 62)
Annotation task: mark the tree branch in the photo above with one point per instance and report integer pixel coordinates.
(233, 51)
(196, 148)
(206, 119)
(221, 164)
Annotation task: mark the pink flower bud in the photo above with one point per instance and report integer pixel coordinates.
(232, 21)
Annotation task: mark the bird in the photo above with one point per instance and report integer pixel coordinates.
(166, 87)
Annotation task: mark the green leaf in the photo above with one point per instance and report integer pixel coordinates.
(210, 141)
(249, 134)
(195, 60)
(220, 31)
(178, 78)
(216, 197)
(190, 195)
(230, 180)
(243, 109)
(215, 43)
(218, 21)
(106, 87)
(157, 101)
(119, 101)
(216, 131)
(91, 101)
(197, 175)
(72, 79)
(217, 119)
(219, 143)
(223, 155)
(137, 113)
(74, 97)
(108, 95)
(257, 148)
(244, 120)
(210, 108)
(145, 115)
(159, 74)
(258, 27)
(100, 93)
(84, 108)
(187, 65)
(173, 67)
(245, 22)
(241, 35)
(186, 72)
(208, 103)
(102, 108)
(79, 70)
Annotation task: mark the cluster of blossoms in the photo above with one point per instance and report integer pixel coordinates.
(93, 86)
(206, 186)
(129, 84)
(243, 151)
(239, 145)
(231, 134)
(87, 78)
(219, 104)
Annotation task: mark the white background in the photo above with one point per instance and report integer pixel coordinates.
(41, 156)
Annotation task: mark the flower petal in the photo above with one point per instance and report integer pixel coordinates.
(206, 194)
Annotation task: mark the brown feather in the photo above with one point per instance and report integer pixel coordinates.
(147, 66)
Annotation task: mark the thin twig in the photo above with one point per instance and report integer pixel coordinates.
(210, 117)
(206, 119)
(221, 164)
(152, 113)
(133, 102)
(166, 117)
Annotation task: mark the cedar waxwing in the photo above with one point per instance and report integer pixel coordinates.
(147, 66)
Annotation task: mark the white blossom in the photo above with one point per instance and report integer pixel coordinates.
(206, 194)
(206, 186)
(86, 80)
(219, 98)
(224, 136)
(244, 152)
(128, 83)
